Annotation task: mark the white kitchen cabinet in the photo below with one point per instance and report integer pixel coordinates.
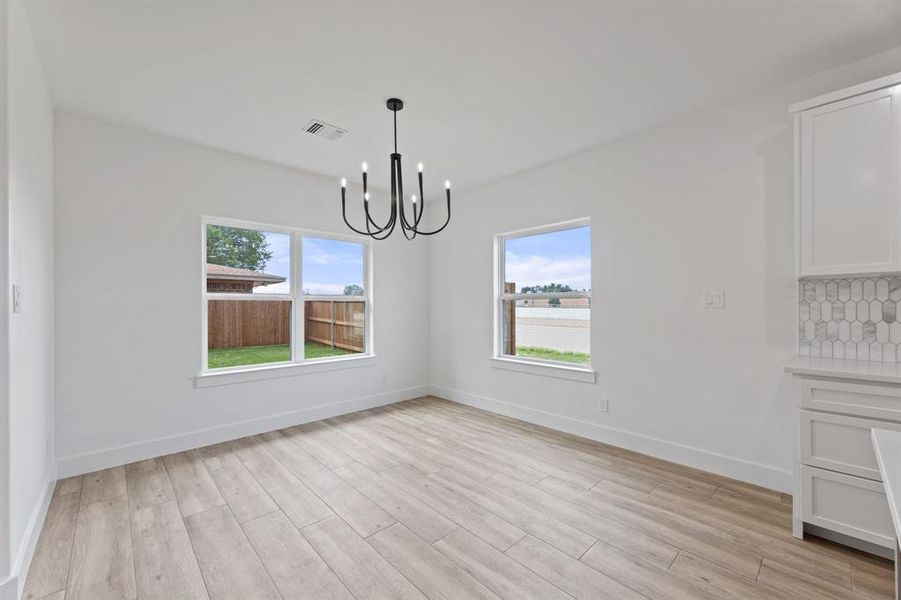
(848, 176)
(838, 483)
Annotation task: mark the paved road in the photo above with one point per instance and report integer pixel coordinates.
(573, 339)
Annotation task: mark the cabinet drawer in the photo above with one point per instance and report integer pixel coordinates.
(841, 443)
(857, 399)
(850, 505)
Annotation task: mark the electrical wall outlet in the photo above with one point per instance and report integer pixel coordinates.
(602, 405)
(17, 298)
(714, 299)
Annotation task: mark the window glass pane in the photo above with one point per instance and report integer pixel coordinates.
(557, 329)
(332, 267)
(334, 328)
(247, 261)
(557, 261)
(248, 332)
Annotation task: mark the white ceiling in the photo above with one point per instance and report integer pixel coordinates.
(491, 87)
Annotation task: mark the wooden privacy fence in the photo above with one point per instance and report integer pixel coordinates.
(241, 323)
(336, 323)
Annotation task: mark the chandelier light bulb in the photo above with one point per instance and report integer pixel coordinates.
(343, 182)
(366, 196)
(447, 184)
(419, 166)
(364, 167)
(413, 198)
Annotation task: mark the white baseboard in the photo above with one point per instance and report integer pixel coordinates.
(714, 462)
(12, 588)
(112, 457)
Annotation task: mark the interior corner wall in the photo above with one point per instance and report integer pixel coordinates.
(30, 265)
(703, 204)
(129, 206)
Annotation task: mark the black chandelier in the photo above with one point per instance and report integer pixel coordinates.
(410, 229)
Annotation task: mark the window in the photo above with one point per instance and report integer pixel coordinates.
(278, 296)
(544, 295)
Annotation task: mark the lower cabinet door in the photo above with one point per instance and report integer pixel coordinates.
(846, 504)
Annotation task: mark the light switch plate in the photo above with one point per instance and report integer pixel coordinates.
(17, 298)
(714, 299)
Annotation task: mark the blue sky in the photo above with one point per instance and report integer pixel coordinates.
(555, 257)
(328, 265)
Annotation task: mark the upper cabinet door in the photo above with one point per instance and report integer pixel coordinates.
(850, 185)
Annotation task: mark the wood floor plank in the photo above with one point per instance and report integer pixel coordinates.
(69, 485)
(230, 566)
(50, 565)
(437, 576)
(312, 438)
(495, 570)
(363, 570)
(496, 531)
(873, 578)
(721, 582)
(417, 516)
(357, 510)
(103, 485)
(646, 579)
(194, 489)
(677, 530)
(567, 573)
(373, 458)
(540, 524)
(297, 570)
(148, 484)
(801, 588)
(634, 541)
(165, 565)
(243, 494)
(102, 567)
(294, 498)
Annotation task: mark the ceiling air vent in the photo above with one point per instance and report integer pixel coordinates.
(324, 130)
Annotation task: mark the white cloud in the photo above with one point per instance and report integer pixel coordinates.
(315, 254)
(574, 271)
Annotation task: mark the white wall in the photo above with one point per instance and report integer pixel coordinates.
(702, 204)
(30, 165)
(128, 213)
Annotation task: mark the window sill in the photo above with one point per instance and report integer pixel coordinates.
(585, 375)
(258, 373)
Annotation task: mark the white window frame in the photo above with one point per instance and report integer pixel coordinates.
(551, 368)
(243, 373)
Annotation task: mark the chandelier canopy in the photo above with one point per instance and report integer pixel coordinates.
(410, 228)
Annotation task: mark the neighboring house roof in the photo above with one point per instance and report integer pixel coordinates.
(236, 274)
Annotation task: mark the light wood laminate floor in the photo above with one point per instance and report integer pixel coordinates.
(429, 499)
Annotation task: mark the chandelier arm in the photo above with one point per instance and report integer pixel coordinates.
(371, 221)
(446, 221)
(398, 170)
(421, 203)
(344, 216)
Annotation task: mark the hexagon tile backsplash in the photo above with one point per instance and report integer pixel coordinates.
(851, 318)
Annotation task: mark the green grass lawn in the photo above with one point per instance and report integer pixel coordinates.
(258, 355)
(551, 354)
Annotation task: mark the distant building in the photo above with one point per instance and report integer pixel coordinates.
(233, 280)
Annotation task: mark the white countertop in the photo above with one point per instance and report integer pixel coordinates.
(865, 370)
(888, 454)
